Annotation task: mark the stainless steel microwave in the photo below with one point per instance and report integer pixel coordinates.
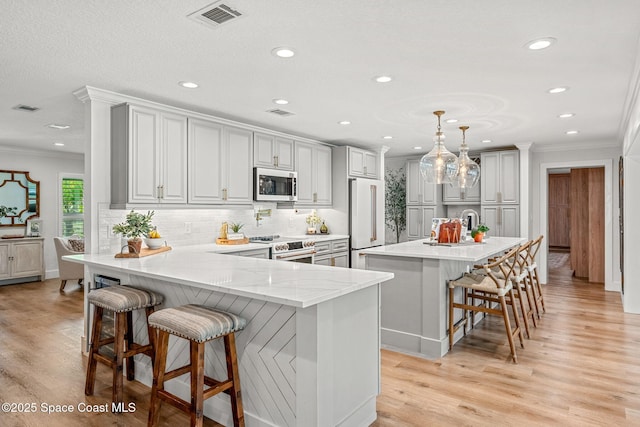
(275, 185)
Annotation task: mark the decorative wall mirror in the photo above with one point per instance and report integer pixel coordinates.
(19, 198)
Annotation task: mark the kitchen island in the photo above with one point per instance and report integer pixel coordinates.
(310, 353)
(414, 303)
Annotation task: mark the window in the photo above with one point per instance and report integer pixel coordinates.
(72, 205)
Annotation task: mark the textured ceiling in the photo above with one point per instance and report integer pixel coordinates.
(463, 56)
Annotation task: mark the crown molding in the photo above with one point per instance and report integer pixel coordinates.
(576, 146)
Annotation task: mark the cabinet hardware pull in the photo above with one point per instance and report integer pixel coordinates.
(224, 194)
(499, 196)
(365, 170)
(374, 205)
(333, 262)
(315, 197)
(499, 216)
(275, 161)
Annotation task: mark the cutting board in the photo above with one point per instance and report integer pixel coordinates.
(244, 241)
(144, 252)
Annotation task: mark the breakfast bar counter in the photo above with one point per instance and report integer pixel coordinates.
(309, 355)
(414, 303)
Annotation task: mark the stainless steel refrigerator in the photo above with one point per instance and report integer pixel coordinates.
(366, 217)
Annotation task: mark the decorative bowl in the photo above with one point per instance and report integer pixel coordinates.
(154, 243)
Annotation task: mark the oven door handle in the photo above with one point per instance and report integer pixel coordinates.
(297, 255)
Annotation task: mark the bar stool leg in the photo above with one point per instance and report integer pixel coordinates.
(234, 376)
(197, 383)
(131, 374)
(96, 330)
(118, 348)
(152, 337)
(159, 367)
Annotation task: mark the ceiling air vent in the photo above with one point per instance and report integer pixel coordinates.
(280, 112)
(27, 108)
(215, 14)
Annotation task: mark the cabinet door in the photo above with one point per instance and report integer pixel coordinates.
(452, 195)
(263, 150)
(322, 172)
(284, 153)
(428, 213)
(414, 179)
(340, 260)
(414, 222)
(322, 260)
(237, 167)
(4, 260)
(429, 191)
(356, 162)
(27, 259)
(489, 177)
(509, 221)
(489, 217)
(173, 157)
(509, 177)
(205, 159)
(144, 156)
(370, 165)
(304, 162)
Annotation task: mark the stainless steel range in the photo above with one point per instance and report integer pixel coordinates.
(287, 249)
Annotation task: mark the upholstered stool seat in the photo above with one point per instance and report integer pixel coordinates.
(198, 324)
(121, 300)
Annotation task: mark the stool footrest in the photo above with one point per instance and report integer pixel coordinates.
(139, 349)
(174, 400)
(216, 387)
(177, 372)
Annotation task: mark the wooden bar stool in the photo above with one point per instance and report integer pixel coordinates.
(198, 324)
(122, 300)
(489, 289)
(534, 279)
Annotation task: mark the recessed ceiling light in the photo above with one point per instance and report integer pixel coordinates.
(451, 121)
(566, 115)
(188, 85)
(486, 141)
(59, 144)
(558, 89)
(572, 132)
(280, 101)
(417, 148)
(539, 44)
(383, 79)
(387, 137)
(283, 52)
(344, 122)
(57, 126)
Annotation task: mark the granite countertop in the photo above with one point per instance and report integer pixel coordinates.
(472, 252)
(289, 283)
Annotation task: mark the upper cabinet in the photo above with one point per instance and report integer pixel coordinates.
(148, 156)
(452, 196)
(420, 192)
(500, 177)
(363, 163)
(220, 164)
(270, 151)
(313, 165)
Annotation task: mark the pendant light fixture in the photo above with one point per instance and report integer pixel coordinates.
(439, 165)
(468, 170)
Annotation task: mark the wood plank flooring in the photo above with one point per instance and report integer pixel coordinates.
(581, 367)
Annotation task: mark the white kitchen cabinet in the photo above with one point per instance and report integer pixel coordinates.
(313, 165)
(419, 220)
(252, 253)
(363, 163)
(500, 177)
(220, 163)
(270, 151)
(502, 220)
(419, 191)
(334, 253)
(152, 145)
(21, 260)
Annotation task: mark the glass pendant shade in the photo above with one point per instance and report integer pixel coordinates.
(439, 165)
(468, 170)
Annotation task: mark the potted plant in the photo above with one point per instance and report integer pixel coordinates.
(478, 232)
(135, 225)
(313, 219)
(395, 196)
(236, 235)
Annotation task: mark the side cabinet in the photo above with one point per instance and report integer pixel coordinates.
(22, 260)
(502, 220)
(334, 253)
(363, 163)
(419, 220)
(500, 177)
(270, 151)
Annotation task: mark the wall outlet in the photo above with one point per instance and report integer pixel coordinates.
(187, 227)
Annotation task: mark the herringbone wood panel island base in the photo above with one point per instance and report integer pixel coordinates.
(579, 368)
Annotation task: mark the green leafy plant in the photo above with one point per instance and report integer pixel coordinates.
(313, 219)
(481, 228)
(395, 201)
(236, 227)
(135, 225)
(6, 211)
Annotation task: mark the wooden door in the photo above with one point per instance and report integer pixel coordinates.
(559, 210)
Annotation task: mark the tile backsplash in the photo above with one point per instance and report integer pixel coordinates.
(183, 227)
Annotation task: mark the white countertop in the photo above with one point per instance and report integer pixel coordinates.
(282, 282)
(466, 252)
(317, 237)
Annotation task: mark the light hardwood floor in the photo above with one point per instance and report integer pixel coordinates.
(581, 367)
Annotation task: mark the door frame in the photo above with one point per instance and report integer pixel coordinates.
(609, 285)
